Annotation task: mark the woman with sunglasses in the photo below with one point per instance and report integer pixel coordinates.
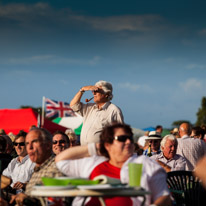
(20, 168)
(117, 150)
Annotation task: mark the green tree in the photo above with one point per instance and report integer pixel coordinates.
(179, 122)
(201, 114)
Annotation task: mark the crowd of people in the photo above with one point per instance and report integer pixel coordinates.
(106, 147)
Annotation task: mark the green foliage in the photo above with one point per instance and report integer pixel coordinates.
(179, 122)
(201, 114)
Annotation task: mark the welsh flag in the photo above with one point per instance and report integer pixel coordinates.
(74, 122)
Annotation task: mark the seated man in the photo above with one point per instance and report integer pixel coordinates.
(39, 148)
(60, 142)
(153, 140)
(116, 146)
(168, 159)
(20, 168)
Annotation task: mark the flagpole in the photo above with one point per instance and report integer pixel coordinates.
(42, 115)
(39, 119)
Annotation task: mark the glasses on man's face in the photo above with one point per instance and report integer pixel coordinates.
(123, 138)
(60, 141)
(19, 143)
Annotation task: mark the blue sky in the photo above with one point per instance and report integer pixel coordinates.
(153, 52)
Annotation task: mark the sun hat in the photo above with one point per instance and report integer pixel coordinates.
(154, 135)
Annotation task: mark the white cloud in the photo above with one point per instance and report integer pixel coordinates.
(191, 85)
(134, 87)
(143, 23)
(29, 60)
(28, 15)
(51, 59)
(195, 66)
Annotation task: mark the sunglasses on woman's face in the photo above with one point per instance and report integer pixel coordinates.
(60, 141)
(123, 138)
(19, 143)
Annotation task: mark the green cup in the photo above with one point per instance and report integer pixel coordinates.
(135, 173)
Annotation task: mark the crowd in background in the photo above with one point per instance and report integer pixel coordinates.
(106, 147)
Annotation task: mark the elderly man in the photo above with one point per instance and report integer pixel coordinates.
(153, 142)
(168, 158)
(96, 115)
(60, 142)
(20, 168)
(116, 146)
(73, 139)
(191, 149)
(39, 148)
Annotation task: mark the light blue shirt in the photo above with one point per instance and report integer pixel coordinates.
(176, 163)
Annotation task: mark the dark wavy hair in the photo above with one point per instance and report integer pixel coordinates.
(21, 133)
(107, 135)
(63, 134)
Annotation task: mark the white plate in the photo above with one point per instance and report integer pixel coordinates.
(39, 187)
(103, 187)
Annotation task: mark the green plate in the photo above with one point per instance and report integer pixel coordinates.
(48, 181)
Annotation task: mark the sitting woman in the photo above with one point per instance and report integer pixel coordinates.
(116, 146)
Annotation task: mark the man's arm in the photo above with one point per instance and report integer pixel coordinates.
(22, 198)
(79, 94)
(167, 168)
(200, 170)
(19, 185)
(78, 152)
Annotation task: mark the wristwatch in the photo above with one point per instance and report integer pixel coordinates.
(81, 90)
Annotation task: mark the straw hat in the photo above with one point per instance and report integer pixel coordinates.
(154, 135)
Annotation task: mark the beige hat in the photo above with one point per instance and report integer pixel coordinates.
(154, 135)
(175, 130)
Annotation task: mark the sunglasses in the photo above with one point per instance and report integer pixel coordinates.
(60, 141)
(98, 91)
(123, 138)
(19, 143)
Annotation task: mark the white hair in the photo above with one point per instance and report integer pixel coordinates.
(106, 87)
(165, 138)
(71, 134)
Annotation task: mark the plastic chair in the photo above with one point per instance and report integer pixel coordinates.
(185, 188)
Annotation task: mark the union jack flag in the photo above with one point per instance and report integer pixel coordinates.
(56, 109)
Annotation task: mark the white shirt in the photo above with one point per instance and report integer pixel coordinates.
(94, 119)
(153, 176)
(19, 171)
(141, 141)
